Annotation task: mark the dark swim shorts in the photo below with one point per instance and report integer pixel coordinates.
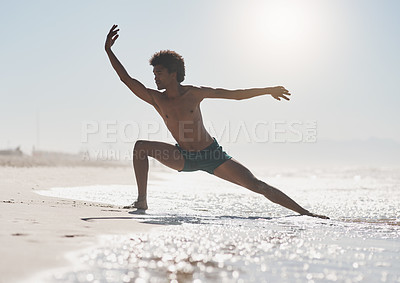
(206, 160)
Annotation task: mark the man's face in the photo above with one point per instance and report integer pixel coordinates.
(162, 77)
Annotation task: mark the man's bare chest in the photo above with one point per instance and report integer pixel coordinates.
(185, 108)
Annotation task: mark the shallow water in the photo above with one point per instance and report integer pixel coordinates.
(218, 232)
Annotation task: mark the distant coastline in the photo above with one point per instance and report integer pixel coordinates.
(16, 158)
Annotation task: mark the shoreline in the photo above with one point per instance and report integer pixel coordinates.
(38, 231)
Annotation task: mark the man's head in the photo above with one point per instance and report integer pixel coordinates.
(170, 61)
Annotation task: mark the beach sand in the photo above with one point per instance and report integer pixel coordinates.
(65, 224)
(37, 231)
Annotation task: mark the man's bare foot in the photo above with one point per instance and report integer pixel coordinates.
(138, 204)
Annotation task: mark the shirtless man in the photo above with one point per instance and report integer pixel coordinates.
(179, 107)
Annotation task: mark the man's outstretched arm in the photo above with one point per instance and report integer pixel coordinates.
(134, 85)
(276, 92)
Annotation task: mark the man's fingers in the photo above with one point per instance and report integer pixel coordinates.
(114, 32)
(113, 27)
(111, 34)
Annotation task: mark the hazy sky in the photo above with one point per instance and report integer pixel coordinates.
(340, 60)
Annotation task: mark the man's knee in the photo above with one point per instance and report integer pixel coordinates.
(145, 148)
(254, 184)
(267, 190)
(139, 150)
(261, 187)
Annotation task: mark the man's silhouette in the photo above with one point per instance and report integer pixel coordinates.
(179, 107)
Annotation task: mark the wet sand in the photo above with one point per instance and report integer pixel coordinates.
(214, 231)
(211, 230)
(37, 231)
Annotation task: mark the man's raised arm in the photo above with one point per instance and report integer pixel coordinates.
(134, 85)
(276, 92)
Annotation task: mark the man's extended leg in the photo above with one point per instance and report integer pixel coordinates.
(165, 153)
(235, 172)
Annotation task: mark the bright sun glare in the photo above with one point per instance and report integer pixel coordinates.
(282, 30)
(284, 21)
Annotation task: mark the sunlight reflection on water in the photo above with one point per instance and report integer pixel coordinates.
(218, 232)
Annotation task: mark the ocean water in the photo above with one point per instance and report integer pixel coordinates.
(214, 231)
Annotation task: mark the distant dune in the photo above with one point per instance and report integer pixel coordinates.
(49, 158)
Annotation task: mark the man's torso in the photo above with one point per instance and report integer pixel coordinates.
(183, 118)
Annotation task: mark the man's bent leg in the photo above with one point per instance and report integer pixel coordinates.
(235, 172)
(165, 153)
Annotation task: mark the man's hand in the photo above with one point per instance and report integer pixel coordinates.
(111, 37)
(279, 92)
